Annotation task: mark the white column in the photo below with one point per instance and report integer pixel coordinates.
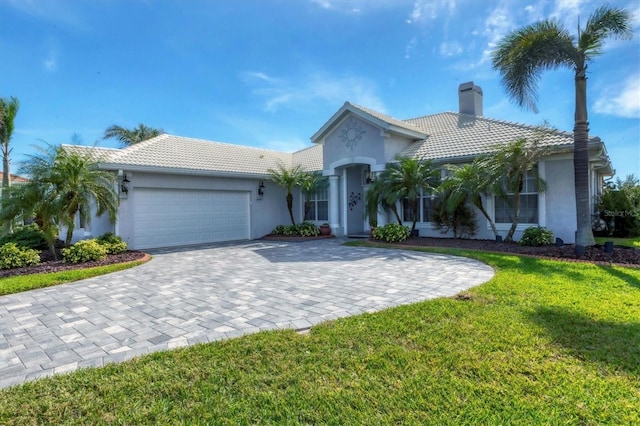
(334, 205)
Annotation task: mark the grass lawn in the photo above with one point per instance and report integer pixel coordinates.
(629, 242)
(20, 283)
(544, 342)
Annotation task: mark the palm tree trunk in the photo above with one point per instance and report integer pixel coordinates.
(516, 215)
(290, 207)
(6, 183)
(584, 234)
(478, 203)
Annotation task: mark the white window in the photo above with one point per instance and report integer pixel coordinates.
(317, 207)
(426, 204)
(528, 203)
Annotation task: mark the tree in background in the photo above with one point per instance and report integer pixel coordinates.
(525, 53)
(131, 137)
(8, 111)
(619, 207)
(289, 178)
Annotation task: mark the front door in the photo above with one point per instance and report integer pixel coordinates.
(354, 202)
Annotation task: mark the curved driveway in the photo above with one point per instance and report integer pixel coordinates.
(207, 293)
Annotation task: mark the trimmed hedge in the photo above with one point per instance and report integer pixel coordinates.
(84, 251)
(391, 233)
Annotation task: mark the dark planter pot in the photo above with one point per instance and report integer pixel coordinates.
(325, 230)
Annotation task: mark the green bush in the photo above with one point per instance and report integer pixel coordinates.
(112, 243)
(84, 251)
(307, 229)
(391, 233)
(536, 236)
(461, 220)
(12, 256)
(304, 229)
(29, 236)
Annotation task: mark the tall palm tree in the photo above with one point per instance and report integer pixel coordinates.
(288, 178)
(130, 137)
(525, 53)
(408, 178)
(8, 111)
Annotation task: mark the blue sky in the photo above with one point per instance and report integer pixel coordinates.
(269, 73)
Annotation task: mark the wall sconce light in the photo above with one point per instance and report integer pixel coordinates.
(124, 186)
(261, 189)
(368, 175)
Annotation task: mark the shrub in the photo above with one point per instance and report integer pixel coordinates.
(536, 236)
(304, 229)
(84, 251)
(619, 207)
(307, 229)
(391, 233)
(112, 243)
(29, 236)
(279, 230)
(12, 256)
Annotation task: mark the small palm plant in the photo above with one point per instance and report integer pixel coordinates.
(289, 178)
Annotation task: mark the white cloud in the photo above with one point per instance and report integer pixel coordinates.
(279, 93)
(497, 25)
(424, 10)
(450, 48)
(623, 101)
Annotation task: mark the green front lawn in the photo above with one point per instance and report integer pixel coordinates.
(544, 342)
(18, 283)
(629, 242)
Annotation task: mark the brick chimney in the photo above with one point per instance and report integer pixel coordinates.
(470, 99)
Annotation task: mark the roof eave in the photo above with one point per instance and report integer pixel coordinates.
(181, 171)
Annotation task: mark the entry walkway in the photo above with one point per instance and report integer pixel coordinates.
(208, 293)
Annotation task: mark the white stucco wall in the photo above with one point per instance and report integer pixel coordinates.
(265, 212)
(560, 199)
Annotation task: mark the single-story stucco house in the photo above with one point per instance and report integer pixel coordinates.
(178, 191)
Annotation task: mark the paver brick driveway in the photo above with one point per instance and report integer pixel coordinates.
(208, 293)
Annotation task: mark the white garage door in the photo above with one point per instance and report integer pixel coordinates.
(176, 217)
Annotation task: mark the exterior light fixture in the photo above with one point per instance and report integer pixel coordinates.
(261, 189)
(124, 186)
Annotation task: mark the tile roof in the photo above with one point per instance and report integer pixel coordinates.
(14, 178)
(453, 135)
(404, 124)
(197, 155)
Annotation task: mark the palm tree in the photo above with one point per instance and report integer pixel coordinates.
(8, 110)
(63, 183)
(507, 169)
(380, 198)
(407, 178)
(130, 137)
(469, 182)
(288, 179)
(525, 53)
(80, 183)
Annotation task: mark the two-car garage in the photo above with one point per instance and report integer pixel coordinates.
(177, 217)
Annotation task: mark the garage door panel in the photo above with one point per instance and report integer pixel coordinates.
(171, 217)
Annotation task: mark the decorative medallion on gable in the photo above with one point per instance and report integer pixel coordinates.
(351, 133)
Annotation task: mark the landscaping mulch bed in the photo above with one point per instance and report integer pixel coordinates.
(49, 265)
(620, 255)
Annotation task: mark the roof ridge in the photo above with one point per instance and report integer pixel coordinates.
(378, 114)
(496, 120)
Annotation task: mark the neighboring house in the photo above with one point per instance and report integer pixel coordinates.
(183, 191)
